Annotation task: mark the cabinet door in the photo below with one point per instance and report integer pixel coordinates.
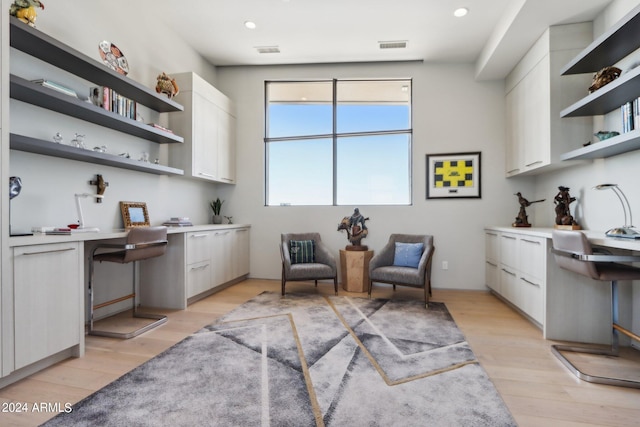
(226, 147)
(199, 246)
(492, 276)
(533, 256)
(205, 138)
(48, 300)
(531, 301)
(509, 250)
(514, 131)
(537, 104)
(240, 252)
(198, 278)
(221, 257)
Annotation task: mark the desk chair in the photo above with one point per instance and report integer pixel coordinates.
(573, 252)
(141, 243)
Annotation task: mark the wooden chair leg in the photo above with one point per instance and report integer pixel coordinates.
(370, 287)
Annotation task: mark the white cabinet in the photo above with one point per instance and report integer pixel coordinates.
(48, 300)
(492, 252)
(516, 270)
(196, 264)
(208, 125)
(241, 252)
(536, 137)
(199, 269)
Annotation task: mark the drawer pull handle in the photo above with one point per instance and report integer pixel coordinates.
(509, 272)
(492, 264)
(530, 282)
(208, 175)
(531, 241)
(49, 252)
(195, 236)
(509, 237)
(202, 267)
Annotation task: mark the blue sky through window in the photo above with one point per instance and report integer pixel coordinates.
(370, 169)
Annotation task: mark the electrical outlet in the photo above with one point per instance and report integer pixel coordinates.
(445, 265)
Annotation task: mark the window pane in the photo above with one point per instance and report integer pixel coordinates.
(370, 106)
(300, 172)
(374, 170)
(299, 109)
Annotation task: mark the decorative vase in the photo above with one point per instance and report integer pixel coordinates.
(217, 219)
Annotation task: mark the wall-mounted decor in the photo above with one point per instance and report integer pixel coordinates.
(453, 176)
(134, 214)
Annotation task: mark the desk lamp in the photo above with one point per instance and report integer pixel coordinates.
(627, 230)
(81, 227)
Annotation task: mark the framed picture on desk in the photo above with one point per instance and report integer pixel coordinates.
(134, 214)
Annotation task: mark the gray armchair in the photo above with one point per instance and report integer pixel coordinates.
(322, 267)
(383, 270)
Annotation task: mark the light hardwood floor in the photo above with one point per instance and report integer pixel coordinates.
(536, 387)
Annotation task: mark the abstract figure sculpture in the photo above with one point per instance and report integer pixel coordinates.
(522, 218)
(356, 230)
(562, 201)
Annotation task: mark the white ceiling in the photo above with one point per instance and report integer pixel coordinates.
(493, 35)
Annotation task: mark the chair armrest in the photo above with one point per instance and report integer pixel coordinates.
(383, 257)
(596, 257)
(324, 256)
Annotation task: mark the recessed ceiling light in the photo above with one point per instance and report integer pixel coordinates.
(460, 12)
(250, 24)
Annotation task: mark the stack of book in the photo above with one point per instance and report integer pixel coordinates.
(178, 222)
(110, 100)
(55, 86)
(630, 115)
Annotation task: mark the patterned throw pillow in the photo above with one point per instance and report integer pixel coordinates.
(408, 254)
(302, 251)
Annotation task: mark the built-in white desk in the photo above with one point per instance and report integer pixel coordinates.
(44, 303)
(521, 269)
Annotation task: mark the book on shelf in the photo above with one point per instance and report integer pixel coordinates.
(162, 128)
(627, 112)
(55, 86)
(110, 100)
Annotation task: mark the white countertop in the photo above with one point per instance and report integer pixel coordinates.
(42, 239)
(596, 237)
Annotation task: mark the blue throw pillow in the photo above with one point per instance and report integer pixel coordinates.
(302, 251)
(408, 254)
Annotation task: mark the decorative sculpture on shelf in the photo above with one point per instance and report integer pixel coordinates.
(604, 77)
(25, 10)
(167, 85)
(522, 218)
(564, 220)
(356, 230)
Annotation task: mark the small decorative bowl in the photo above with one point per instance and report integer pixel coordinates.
(602, 135)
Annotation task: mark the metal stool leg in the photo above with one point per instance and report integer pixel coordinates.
(159, 319)
(556, 350)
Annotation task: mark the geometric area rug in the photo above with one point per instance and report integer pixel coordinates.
(307, 360)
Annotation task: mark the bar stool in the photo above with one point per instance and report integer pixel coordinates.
(573, 252)
(141, 243)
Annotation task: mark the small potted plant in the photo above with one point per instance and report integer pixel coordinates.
(216, 206)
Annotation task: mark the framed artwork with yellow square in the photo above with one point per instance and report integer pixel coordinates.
(453, 176)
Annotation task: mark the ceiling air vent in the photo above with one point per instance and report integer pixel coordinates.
(398, 44)
(268, 49)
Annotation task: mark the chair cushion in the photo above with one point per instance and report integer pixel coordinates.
(302, 251)
(408, 254)
(408, 276)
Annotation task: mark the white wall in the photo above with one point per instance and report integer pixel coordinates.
(451, 113)
(48, 182)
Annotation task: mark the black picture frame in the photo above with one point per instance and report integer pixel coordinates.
(454, 175)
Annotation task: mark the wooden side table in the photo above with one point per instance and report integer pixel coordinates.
(354, 270)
